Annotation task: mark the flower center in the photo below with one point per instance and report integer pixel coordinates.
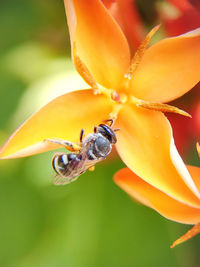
(121, 98)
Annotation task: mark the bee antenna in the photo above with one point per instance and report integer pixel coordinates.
(81, 136)
(117, 129)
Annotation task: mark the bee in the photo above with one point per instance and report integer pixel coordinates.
(93, 148)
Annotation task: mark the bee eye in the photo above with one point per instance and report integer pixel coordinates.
(107, 132)
(102, 147)
(101, 144)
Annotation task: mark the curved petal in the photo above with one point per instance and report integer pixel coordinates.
(156, 199)
(168, 69)
(198, 149)
(64, 117)
(128, 18)
(99, 41)
(108, 3)
(195, 173)
(145, 144)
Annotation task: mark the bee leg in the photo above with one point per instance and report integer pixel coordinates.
(91, 168)
(95, 129)
(68, 145)
(81, 136)
(111, 122)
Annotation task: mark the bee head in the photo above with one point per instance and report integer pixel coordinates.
(107, 132)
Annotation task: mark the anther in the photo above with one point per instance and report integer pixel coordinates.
(157, 106)
(140, 53)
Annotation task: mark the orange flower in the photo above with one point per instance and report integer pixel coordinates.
(133, 92)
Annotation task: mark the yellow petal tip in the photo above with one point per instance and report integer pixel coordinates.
(198, 148)
(188, 235)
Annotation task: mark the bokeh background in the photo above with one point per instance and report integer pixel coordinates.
(90, 222)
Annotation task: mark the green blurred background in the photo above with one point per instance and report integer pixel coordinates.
(90, 222)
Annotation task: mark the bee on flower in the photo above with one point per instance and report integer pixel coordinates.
(93, 149)
(132, 88)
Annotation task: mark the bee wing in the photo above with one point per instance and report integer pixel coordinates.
(91, 163)
(86, 164)
(60, 180)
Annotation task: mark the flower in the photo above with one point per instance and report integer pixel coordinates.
(162, 202)
(186, 139)
(178, 16)
(132, 91)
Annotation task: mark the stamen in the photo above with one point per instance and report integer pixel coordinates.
(105, 91)
(188, 235)
(139, 53)
(84, 71)
(158, 106)
(89, 79)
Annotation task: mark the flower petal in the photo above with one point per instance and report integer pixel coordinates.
(61, 118)
(195, 173)
(198, 149)
(99, 41)
(168, 69)
(156, 199)
(128, 18)
(146, 146)
(108, 3)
